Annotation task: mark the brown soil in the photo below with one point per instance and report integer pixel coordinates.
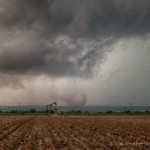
(74, 133)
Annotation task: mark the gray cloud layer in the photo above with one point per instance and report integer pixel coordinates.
(65, 38)
(87, 52)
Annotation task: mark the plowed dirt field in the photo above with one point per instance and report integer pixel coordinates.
(74, 133)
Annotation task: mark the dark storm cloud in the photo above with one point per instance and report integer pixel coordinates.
(65, 38)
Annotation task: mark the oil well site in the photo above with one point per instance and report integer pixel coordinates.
(54, 131)
(74, 74)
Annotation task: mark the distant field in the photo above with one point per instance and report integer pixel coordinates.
(74, 133)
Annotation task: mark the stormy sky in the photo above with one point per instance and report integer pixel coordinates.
(75, 52)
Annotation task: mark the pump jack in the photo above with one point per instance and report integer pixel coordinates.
(49, 107)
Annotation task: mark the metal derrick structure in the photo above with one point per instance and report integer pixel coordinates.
(50, 106)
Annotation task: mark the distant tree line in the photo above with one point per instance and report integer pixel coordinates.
(75, 112)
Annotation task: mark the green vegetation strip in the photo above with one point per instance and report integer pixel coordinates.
(76, 112)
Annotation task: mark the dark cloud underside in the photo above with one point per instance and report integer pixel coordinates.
(65, 38)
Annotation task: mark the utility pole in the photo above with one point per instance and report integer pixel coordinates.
(131, 105)
(19, 106)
